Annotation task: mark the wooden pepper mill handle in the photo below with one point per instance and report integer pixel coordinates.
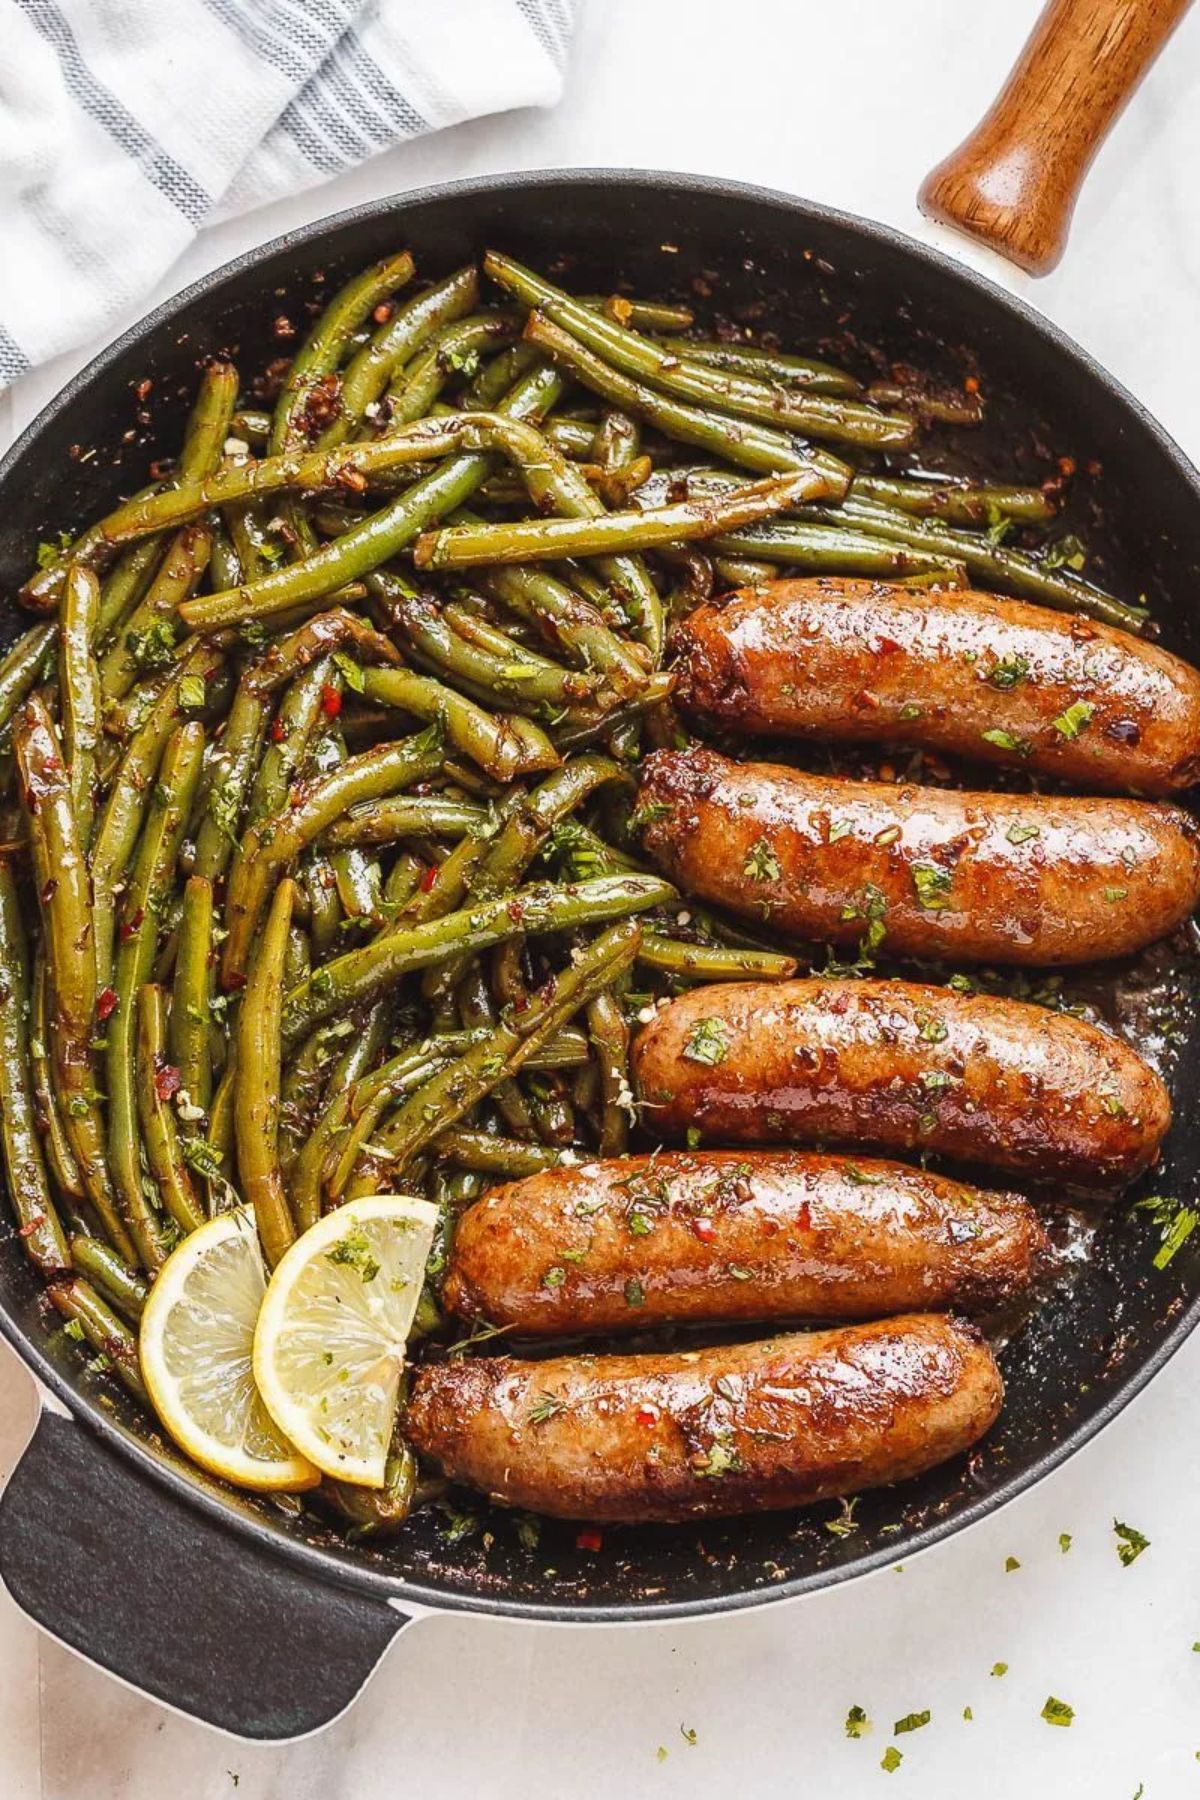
(1014, 182)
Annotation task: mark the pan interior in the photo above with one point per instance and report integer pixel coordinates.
(873, 300)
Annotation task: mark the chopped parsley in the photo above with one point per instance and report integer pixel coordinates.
(554, 1277)
(350, 671)
(845, 1523)
(1066, 553)
(999, 1669)
(192, 692)
(1021, 834)
(856, 1722)
(1176, 1225)
(1114, 895)
(838, 828)
(891, 1760)
(1004, 740)
(1064, 1541)
(720, 1459)
(546, 1408)
(1010, 1563)
(1057, 1712)
(911, 1722)
(708, 1043)
(153, 648)
(354, 1252)
(1131, 1543)
(635, 1294)
(761, 863)
(1069, 724)
(909, 712)
(688, 1733)
(1009, 672)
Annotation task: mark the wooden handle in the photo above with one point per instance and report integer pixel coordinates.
(1014, 182)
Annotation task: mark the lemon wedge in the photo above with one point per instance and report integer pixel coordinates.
(196, 1340)
(332, 1333)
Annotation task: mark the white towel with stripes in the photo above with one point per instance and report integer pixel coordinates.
(127, 125)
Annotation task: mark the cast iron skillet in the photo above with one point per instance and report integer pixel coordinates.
(253, 1620)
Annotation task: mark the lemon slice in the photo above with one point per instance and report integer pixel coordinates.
(197, 1336)
(329, 1347)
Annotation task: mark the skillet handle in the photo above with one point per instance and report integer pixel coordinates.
(156, 1592)
(1014, 181)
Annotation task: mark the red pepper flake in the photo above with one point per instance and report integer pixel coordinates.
(704, 1229)
(353, 479)
(131, 925)
(1066, 467)
(31, 1225)
(167, 1081)
(383, 312)
(428, 880)
(646, 1415)
(331, 701)
(48, 892)
(143, 387)
(865, 698)
(106, 1003)
(590, 1539)
(278, 731)
(283, 327)
(971, 384)
(235, 983)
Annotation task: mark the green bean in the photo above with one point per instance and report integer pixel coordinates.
(580, 733)
(210, 421)
(38, 1224)
(817, 415)
(453, 349)
(256, 1106)
(150, 634)
(233, 769)
(122, 1286)
(740, 441)
(445, 1099)
(518, 679)
(503, 744)
(1005, 568)
(546, 540)
(378, 1512)
(303, 1172)
(125, 584)
(61, 879)
(108, 1335)
(191, 998)
(387, 821)
(383, 534)
(324, 635)
(364, 973)
(646, 315)
(384, 1092)
(838, 550)
(57, 1146)
(610, 1041)
(152, 878)
(329, 340)
(121, 817)
(958, 502)
(476, 1011)
(511, 1157)
(573, 625)
(368, 372)
(320, 886)
(167, 1167)
(770, 366)
(712, 962)
(79, 687)
(23, 667)
(300, 713)
(220, 1140)
(274, 842)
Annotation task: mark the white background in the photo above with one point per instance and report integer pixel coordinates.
(849, 104)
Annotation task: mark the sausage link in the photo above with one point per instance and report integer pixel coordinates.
(702, 1433)
(728, 1237)
(930, 872)
(999, 680)
(902, 1066)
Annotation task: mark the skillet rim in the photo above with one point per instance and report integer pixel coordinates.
(325, 1565)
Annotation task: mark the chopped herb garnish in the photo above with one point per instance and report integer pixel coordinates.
(635, 1294)
(845, 1523)
(1131, 1543)
(153, 648)
(554, 1277)
(1114, 895)
(688, 1733)
(911, 1722)
(910, 712)
(1004, 740)
(1009, 672)
(839, 828)
(1176, 1224)
(720, 1459)
(354, 1252)
(1069, 724)
(1010, 1563)
(350, 671)
(891, 1760)
(1064, 1541)
(192, 692)
(761, 863)
(1021, 834)
(999, 1669)
(1057, 1712)
(1065, 553)
(708, 1043)
(856, 1722)
(546, 1408)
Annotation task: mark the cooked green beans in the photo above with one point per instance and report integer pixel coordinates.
(256, 1106)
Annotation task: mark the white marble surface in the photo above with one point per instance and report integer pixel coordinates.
(850, 106)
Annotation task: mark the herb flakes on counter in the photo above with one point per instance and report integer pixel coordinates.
(857, 1722)
(1057, 1712)
(912, 1721)
(1131, 1543)
(891, 1760)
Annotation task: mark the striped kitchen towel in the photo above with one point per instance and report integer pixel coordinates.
(127, 125)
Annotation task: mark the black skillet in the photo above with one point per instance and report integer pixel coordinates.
(261, 1623)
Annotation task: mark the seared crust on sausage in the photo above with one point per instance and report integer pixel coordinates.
(720, 1236)
(902, 1066)
(702, 1433)
(868, 662)
(972, 877)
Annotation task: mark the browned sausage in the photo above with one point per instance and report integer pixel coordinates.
(700, 1433)
(929, 872)
(1002, 680)
(902, 1065)
(722, 1236)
